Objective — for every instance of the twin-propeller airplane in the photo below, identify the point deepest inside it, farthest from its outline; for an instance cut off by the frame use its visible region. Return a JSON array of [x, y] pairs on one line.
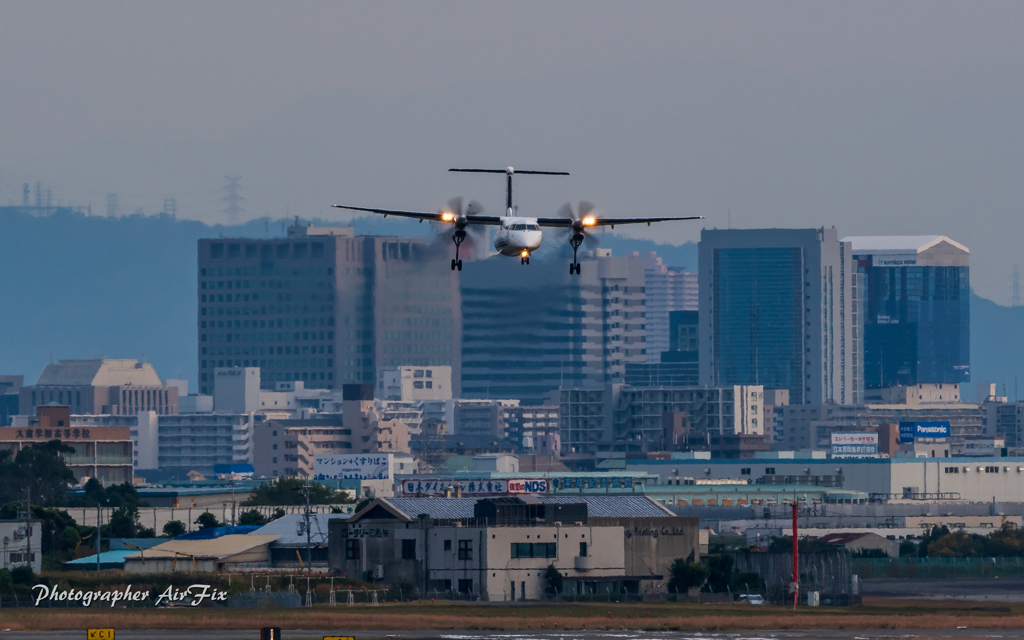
[[516, 235]]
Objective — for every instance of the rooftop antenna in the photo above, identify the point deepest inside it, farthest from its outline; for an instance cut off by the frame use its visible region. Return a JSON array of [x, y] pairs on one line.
[[234, 201]]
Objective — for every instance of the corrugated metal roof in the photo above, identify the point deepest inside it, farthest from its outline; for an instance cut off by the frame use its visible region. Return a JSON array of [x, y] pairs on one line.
[[216, 548], [597, 506], [287, 528], [615, 506]]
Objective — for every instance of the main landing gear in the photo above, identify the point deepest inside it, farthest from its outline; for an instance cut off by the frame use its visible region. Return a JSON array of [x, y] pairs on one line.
[[575, 241], [524, 259], [457, 238]]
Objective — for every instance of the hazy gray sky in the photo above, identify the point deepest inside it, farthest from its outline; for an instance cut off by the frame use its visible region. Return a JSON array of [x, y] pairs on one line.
[[875, 117]]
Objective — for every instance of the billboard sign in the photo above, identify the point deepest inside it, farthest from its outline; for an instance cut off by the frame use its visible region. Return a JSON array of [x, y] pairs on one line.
[[469, 487], [978, 448], [474, 486], [539, 485], [910, 431], [895, 260], [855, 445], [352, 466]]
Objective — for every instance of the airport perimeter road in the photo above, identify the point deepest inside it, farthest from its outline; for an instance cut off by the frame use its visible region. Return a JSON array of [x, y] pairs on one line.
[[981, 590], [903, 634]]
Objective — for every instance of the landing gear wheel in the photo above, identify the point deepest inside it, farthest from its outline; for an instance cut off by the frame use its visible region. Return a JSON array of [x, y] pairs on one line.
[[575, 241], [457, 238]]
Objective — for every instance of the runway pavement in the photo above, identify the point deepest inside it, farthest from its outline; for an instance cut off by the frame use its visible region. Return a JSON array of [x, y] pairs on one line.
[[903, 634]]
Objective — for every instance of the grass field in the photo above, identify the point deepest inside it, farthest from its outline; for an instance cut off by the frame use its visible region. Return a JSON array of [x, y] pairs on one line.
[[874, 614]]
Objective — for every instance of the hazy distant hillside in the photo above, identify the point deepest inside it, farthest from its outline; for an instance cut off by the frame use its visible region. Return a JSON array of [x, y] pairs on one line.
[[997, 348], [77, 287]]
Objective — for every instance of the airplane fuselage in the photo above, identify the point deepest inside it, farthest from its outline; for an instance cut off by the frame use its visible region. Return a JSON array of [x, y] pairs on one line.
[[518, 235]]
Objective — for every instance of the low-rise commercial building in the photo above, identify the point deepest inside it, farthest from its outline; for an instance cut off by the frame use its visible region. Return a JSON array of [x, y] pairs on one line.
[[499, 548], [881, 479], [408, 384], [225, 553], [618, 420], [22, 544], [104, 453]]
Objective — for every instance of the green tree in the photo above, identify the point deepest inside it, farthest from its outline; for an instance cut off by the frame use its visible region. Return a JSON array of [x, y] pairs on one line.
[[288, 491], [37, 471], [957, 545], [553, 581], [685, 575], [207, 520], [70, 538], [125, 523], [116, 495], [252, 518], [174, 528], [930, 537]]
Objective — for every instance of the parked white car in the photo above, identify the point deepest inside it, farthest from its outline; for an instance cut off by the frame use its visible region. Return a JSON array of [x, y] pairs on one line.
[[751, 598]]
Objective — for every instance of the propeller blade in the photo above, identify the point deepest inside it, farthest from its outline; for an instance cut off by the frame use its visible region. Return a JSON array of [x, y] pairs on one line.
[[455, 205], [474, 208], [565, 211], [585, 208]]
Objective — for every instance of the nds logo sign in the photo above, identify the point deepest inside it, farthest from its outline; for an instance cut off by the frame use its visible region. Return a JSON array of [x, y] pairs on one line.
[[527, 486]]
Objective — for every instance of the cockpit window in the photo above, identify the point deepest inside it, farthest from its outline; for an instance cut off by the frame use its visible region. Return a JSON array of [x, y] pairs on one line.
[[532, 227], [518, 227]]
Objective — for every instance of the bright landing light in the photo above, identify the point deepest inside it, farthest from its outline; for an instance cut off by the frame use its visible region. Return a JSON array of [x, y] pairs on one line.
[[447, 216], [589, 221], [524, 253]]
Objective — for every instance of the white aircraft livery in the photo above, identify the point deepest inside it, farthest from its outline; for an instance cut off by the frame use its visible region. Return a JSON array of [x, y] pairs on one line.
[[516, 235]]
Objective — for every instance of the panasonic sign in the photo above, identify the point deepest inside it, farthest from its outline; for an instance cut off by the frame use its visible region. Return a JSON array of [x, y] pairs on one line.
[[910, 431]]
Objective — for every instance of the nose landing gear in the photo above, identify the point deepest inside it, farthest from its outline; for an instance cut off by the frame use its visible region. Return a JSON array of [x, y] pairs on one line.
[[575, 241], [457, 238]]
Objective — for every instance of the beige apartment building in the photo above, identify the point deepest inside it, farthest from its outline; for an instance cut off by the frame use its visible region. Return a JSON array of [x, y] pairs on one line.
[[288, 448]]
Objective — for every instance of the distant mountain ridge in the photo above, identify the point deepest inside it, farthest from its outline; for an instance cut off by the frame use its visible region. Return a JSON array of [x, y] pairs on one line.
[[77, 286]]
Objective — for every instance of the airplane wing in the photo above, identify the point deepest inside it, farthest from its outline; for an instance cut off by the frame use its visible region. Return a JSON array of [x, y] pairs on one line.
[[422, 215], [595, 221]]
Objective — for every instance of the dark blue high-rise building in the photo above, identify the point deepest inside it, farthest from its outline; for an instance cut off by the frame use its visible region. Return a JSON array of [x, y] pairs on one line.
[[917, 316]]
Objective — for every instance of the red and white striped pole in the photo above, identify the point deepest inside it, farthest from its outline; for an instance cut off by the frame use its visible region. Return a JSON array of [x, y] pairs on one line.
[[796, 555]]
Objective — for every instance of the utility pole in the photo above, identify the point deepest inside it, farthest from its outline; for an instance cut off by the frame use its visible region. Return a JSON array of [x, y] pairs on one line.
[[309, 553], [28, 523], [99, 515], [796, 556]]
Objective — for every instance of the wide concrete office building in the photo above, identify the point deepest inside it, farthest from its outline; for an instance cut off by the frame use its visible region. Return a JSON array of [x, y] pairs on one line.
[[917, 312], [101, 386], [497, 549], [529, 330], [325, 307], [781, 308]]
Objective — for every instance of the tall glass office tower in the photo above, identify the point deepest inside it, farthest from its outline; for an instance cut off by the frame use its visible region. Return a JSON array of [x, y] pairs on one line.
[[780, 308], [916, 309]]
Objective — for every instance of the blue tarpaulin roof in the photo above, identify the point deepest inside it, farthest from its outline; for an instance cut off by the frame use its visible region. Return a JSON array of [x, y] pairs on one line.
[[108, 560], [216, 532]]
